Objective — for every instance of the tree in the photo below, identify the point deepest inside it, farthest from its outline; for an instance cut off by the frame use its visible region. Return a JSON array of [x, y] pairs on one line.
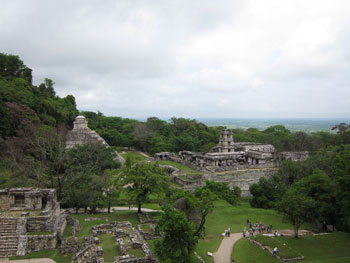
[[296, 207], [144, 179], [111, 188], [179, 240], [85, 177], [183, 224], [223, 191]]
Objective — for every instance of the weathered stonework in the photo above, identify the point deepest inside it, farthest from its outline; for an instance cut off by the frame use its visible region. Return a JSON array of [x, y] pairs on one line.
[[238, 164], [127, 237], [82, 134], [25, 210]]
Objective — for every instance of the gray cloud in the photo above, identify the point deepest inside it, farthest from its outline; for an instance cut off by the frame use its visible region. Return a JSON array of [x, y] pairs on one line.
[[202, 58]]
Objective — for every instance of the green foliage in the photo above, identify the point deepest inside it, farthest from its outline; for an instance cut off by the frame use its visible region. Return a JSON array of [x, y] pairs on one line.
[[179, 240], [297, 207], [88, 182], [144, 179], [184, 224], [223, 191]]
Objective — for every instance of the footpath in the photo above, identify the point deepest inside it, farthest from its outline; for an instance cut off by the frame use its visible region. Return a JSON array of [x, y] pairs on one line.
[[223, 255]]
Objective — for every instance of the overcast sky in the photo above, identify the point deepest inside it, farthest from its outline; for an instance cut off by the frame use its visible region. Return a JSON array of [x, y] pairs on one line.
[[183, 58]]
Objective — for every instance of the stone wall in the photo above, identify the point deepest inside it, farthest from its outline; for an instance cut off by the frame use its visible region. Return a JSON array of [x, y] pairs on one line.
[[241, 178], [43, 223], [294, 156], [89, 254], [40, 242]]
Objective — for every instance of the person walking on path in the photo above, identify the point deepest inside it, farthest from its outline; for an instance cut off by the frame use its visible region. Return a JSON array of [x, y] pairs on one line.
[[274, 252]]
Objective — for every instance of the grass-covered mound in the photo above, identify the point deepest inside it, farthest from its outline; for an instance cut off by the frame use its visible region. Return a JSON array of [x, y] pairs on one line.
[[284, 251]]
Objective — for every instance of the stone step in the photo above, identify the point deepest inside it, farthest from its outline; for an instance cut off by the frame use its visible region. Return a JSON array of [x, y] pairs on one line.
[[8, 247], [8, 254]]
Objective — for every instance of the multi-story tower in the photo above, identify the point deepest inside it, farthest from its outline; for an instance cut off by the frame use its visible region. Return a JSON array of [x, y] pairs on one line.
[[226, 141]]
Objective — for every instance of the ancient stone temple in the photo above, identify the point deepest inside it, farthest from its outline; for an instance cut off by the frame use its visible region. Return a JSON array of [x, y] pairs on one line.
[[28, 210], [239, 164], [225, 142], [82, 134]]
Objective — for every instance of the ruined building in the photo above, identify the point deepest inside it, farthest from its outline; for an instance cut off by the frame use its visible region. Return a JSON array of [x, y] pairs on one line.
[[82, 134], [239, 164], [28, 210]]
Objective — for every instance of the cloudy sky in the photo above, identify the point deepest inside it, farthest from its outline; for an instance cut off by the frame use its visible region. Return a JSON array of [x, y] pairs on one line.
[[187, 58]]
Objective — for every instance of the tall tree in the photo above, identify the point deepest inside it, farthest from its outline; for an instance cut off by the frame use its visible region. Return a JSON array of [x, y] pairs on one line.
[[144, 179]]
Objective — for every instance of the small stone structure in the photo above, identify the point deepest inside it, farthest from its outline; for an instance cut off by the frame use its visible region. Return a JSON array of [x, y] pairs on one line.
[[127, 238], [82, 134], [24, 210]]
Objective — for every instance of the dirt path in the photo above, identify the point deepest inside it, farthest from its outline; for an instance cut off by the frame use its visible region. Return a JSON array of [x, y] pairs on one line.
[[223, 255]]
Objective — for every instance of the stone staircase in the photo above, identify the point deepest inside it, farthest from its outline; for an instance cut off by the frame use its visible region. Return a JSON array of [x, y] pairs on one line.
[[8, 237]]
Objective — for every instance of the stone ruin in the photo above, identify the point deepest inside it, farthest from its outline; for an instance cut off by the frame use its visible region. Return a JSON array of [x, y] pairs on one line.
[[127, 237], [227, 155], [238, 164], [82, 134], [26, 210]]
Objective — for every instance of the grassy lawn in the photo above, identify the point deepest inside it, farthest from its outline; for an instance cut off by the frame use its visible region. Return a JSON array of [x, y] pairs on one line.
[[134, 155], [246, 252], [153, 206], [137, 252], [189, 171], [331, 248], [104, 218], [109, 246], [284, 250], [225, 216], [68, 231], [48, 253]]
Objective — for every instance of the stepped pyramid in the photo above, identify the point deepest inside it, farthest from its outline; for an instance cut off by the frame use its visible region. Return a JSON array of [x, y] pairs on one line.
[[82, 134]]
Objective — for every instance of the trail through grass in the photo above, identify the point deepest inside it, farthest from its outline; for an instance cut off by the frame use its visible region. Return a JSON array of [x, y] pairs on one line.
[[225, 216]]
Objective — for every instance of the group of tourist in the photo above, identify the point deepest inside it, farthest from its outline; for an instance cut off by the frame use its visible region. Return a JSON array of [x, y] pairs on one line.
[[227, 232], [259, 227]]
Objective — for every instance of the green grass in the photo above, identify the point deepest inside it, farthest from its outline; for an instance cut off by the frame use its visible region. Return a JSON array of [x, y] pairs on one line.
[[109, 246], [43, 233], [225, 216], [189, 171], [48, 253], [137, 252], [151, 244], [146, 228], [331, 248], [246, 252], [153, 206], [134, 155], [68, 231], [283, 251], [114, 216]]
